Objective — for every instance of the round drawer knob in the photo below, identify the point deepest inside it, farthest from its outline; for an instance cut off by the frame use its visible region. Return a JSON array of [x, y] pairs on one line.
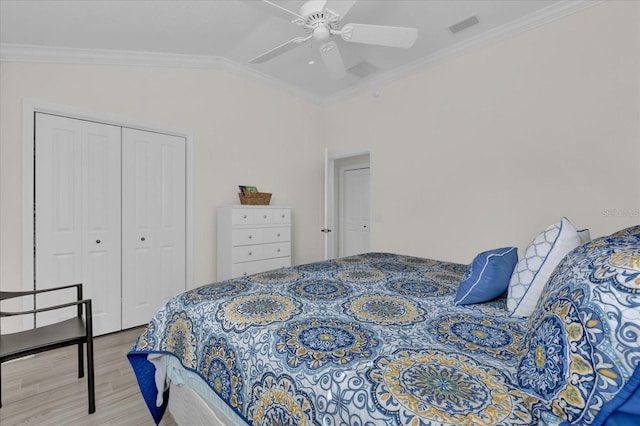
[[250, 236], [143, 239], [244, 216], [98, 241], [265, 216], [278, 250], [278, 235], [250, 253], [283, 216]]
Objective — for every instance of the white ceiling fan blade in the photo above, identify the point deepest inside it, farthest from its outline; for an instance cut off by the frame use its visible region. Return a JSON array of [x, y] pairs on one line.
[[332, 60], [284, 12], [340, 7], [311, 7], [284, 47], [379, 35]]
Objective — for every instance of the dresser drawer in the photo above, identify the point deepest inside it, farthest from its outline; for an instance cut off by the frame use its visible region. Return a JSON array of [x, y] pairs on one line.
[[260, 251], [281, 216], [241, 217], [248, 253], [243, 237], [276, 235], [263, 216], [276, 250], [271, 216], [249, 268]]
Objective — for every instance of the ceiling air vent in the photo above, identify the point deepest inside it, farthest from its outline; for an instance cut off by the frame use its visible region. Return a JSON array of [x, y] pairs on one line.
[[363, 69], [464, 24]]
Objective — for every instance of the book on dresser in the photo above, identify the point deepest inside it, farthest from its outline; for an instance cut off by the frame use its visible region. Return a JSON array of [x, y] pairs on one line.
[[252, 239]]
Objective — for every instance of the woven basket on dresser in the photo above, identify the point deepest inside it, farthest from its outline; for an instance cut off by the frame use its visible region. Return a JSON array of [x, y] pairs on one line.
[[255, 198]]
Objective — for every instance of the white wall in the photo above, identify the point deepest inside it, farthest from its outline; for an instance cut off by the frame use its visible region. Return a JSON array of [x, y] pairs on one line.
[[489, 148], [244, 133], [481, 151]]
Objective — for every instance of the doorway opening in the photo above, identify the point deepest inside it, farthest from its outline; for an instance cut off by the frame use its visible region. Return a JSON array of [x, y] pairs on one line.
[[347, 204]]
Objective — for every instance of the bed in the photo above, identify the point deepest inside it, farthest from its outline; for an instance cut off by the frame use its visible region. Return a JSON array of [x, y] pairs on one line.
[[384, 339]]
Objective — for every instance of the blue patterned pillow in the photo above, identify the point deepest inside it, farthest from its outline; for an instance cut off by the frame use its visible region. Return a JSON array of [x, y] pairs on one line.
[[582, 350], [487, 277], [630, 231]]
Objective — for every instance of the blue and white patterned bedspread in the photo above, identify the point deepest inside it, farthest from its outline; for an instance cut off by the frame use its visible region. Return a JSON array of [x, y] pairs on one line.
[[372, 339]]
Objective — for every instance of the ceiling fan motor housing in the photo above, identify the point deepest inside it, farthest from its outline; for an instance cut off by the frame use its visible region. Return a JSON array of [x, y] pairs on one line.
[[318, 22]]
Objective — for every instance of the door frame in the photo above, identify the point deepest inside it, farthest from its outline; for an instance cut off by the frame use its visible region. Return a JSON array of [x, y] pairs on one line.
[[29, 108], [332, 196]]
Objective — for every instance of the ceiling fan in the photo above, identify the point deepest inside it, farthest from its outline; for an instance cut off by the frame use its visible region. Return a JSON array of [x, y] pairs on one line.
[[321, 19]]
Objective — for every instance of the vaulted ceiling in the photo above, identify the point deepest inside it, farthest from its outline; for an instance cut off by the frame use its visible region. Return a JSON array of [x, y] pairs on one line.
[[217, 33]]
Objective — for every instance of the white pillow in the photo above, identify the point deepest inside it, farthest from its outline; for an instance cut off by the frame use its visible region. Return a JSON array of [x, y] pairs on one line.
[[584, 235], [540, 258]]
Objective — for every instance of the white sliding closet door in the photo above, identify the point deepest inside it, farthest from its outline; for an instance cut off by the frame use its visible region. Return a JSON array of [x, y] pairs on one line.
[[77, 215], [153, 222]]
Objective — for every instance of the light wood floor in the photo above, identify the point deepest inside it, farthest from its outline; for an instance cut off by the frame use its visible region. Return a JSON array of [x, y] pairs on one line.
[[45, 389]]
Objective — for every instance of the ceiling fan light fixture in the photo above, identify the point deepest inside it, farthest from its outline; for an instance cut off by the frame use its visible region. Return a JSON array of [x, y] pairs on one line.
[[321, 33]]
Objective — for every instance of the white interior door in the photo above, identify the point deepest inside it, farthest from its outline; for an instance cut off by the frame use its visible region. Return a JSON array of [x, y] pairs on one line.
[[58, 209], [153, 222], [77, 215], [355, 211], [101, 225]]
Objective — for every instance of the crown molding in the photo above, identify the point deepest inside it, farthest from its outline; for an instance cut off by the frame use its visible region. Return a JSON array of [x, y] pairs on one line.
[[32, 53], [71, 55]]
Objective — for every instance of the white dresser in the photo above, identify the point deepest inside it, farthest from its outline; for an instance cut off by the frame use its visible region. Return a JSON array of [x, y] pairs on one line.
[[252, 239]]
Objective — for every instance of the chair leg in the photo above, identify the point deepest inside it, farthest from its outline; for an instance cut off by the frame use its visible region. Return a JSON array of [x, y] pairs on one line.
[[0, 385], [90, 379], [80, 361]]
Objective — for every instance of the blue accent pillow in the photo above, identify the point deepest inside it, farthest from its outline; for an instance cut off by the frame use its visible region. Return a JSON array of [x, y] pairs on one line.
[[487, 277]]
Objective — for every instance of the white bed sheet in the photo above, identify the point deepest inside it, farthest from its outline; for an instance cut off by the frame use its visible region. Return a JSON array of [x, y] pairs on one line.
[[192, 402]]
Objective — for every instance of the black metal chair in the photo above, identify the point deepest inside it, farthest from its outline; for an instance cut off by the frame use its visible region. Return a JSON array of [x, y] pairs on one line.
[[77, 330]]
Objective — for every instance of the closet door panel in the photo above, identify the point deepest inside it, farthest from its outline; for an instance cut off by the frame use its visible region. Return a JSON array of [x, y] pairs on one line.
[[58, 211], [102, 223], [153, 213], [139, 269], [77, 217], [172, 227]]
